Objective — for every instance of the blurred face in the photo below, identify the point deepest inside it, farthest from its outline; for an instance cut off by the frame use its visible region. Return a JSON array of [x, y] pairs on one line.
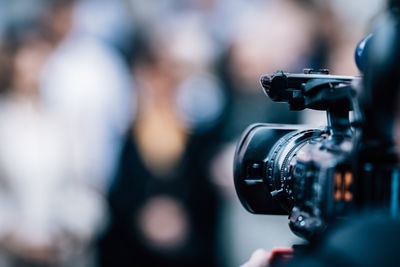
[[60, 21], [28, 63]]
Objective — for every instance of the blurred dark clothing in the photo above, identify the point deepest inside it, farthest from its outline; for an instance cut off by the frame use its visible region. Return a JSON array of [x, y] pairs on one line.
[[189, 183], [367, 240]]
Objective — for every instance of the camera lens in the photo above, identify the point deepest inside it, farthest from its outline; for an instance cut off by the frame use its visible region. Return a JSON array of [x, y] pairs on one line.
[[262, 166], [279, 165]]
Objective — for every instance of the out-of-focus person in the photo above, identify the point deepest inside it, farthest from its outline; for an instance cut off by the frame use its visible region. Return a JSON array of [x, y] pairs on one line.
[[163, 204], [87, 83], [49, 215]]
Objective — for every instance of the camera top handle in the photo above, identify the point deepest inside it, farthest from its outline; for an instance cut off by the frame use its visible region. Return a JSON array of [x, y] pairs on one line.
[[314, 90]]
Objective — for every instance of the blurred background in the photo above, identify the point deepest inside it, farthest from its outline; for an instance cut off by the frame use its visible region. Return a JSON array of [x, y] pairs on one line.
[[118, 122]]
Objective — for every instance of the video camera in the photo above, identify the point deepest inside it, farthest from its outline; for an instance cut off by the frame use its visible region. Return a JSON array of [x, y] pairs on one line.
[[317, 175]]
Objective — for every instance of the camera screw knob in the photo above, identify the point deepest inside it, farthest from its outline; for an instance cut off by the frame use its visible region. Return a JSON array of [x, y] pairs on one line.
[[308, 71], [311, 71]]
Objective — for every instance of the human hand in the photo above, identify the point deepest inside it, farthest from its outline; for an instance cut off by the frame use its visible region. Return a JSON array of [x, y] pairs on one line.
[[259, 258]]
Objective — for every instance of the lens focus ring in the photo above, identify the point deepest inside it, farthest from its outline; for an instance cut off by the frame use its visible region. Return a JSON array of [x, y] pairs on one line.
[[278, 178]]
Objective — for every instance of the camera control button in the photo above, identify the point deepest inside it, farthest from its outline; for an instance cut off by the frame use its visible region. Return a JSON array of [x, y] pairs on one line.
[[276, 193]]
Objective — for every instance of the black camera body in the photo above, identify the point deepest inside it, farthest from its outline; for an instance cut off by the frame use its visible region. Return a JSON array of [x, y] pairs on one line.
[[321, 174], [290, 169]]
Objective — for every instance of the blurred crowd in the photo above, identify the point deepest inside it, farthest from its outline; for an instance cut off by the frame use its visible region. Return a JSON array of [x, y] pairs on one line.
[[118, 121]]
